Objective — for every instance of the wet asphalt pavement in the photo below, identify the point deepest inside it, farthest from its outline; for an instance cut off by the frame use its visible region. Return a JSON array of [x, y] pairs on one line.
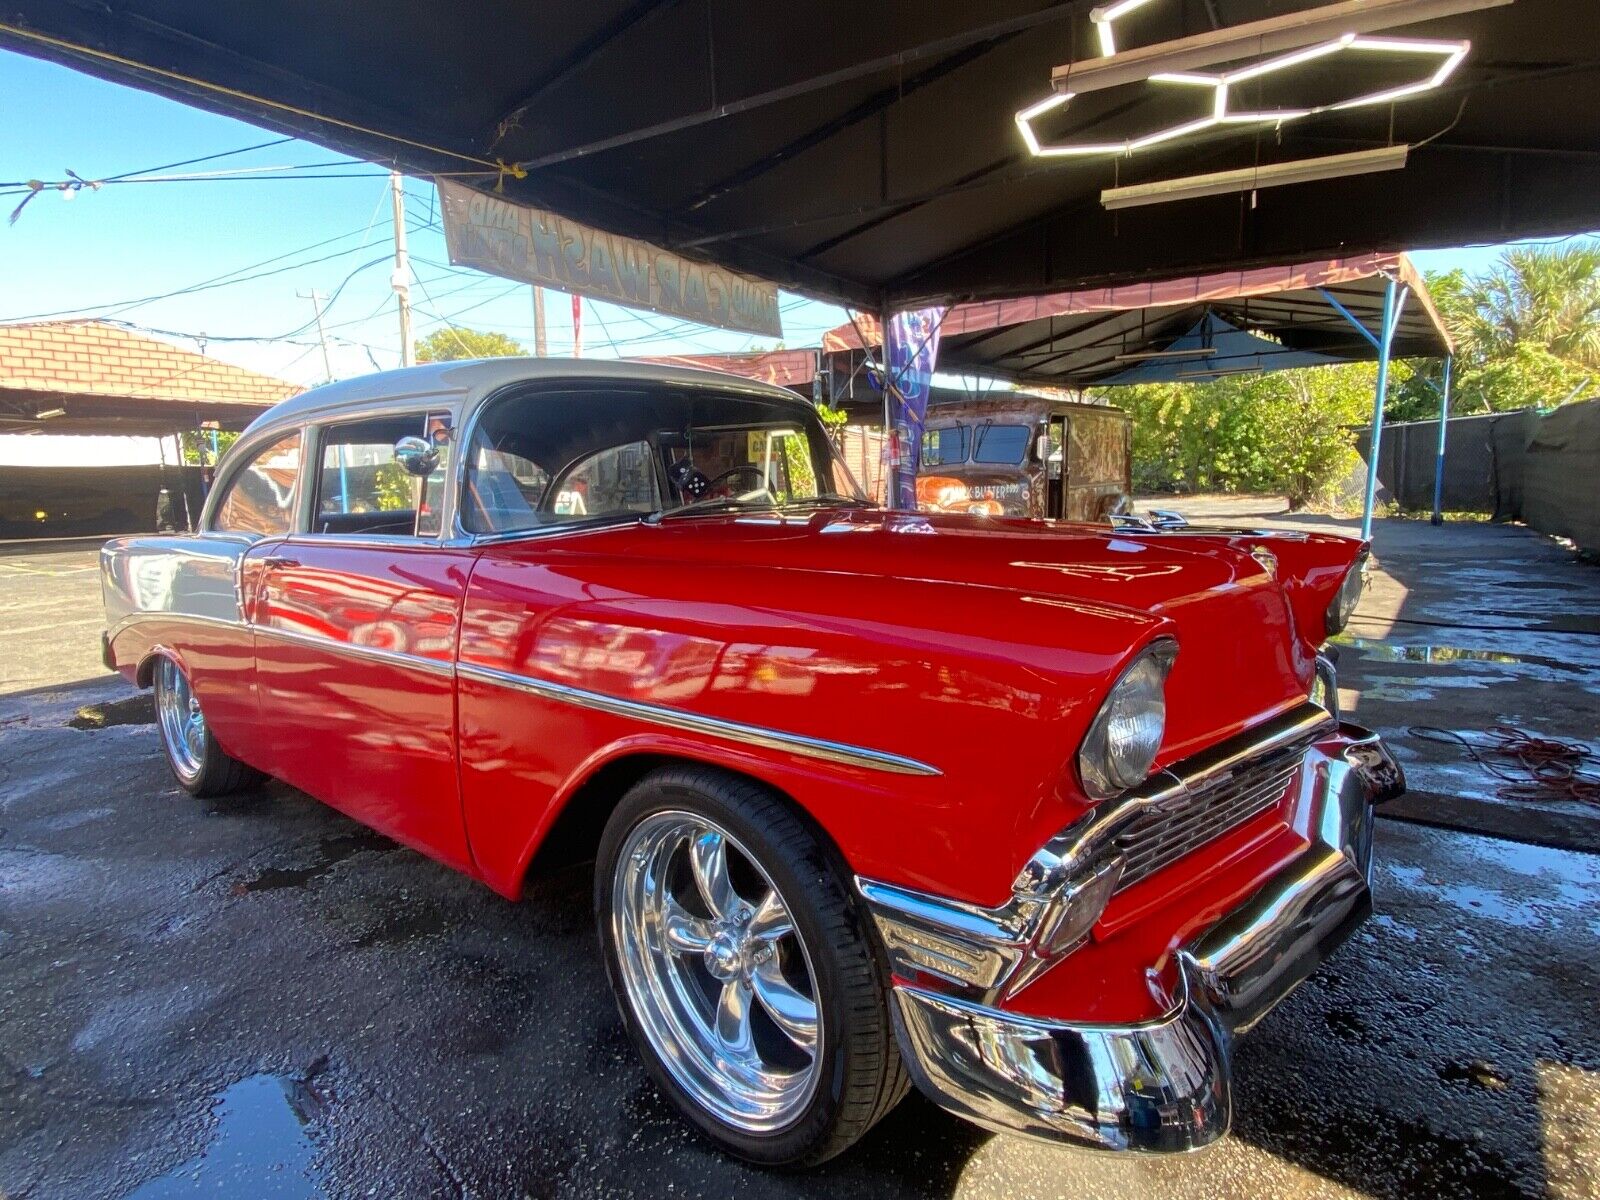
[[257, 997]]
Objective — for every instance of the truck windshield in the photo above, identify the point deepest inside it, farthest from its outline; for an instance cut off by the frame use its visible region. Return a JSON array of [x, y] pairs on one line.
[[946, 444], [1001, 444], [550, 457]]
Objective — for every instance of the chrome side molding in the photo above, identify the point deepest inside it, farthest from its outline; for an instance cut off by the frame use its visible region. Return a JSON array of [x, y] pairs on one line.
[[677, 718]]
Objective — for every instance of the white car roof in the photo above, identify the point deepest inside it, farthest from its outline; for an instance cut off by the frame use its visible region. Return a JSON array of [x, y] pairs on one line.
[[477, 378]]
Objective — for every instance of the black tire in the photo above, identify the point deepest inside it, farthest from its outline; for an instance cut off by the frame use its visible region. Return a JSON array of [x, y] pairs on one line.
[[862, 1077], [216, 772]]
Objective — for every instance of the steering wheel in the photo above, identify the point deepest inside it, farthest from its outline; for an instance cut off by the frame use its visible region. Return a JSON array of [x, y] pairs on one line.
[[732, 473]]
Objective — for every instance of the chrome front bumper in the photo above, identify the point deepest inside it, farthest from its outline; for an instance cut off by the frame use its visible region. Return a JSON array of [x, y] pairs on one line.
[[1164, 1085]]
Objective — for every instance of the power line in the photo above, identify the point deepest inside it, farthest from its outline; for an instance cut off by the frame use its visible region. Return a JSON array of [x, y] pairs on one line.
[[172, 166], [224, 280]]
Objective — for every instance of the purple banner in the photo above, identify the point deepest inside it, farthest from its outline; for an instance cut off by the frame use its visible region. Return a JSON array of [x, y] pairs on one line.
[[911, 347]]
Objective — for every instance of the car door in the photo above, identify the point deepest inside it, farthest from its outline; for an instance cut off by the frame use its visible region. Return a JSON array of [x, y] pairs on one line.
[[356, 620]]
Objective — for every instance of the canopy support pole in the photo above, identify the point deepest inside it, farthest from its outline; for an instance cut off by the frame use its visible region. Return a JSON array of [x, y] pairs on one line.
[[1394, 299], [1444, 426]]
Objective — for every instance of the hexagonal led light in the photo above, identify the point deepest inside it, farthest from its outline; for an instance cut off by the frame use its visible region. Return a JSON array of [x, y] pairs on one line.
[[1449, 55]]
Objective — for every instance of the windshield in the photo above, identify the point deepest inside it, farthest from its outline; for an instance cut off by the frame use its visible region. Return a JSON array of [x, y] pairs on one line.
[[944, 444], [1001, 444], [551, 457]]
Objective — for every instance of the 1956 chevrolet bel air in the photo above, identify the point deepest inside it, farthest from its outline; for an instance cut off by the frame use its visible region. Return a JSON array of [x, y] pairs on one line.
[[1037, 815]]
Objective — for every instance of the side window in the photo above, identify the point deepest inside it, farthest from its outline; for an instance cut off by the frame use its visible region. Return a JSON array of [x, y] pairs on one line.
[[361, 489], [261, 498], [614, 480]]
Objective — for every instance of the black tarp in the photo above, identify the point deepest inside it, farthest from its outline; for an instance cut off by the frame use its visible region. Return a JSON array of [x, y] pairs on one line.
[[867, 152], [45, 502]]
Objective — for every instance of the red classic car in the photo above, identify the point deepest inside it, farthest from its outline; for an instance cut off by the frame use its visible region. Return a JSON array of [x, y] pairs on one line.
[[1036, 815]]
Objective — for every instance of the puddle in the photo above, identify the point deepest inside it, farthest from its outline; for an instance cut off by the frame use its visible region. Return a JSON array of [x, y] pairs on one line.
[[1384, 651], [135, 710], [330, 853], [261, 1148], [1509, 883]]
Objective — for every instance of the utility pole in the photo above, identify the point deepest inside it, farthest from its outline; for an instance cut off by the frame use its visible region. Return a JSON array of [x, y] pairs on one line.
[[541, 347], [316, 306], [400, 281]]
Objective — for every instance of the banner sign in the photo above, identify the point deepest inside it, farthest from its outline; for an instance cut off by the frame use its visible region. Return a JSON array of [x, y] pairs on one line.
[[502, 237], [911, 348]]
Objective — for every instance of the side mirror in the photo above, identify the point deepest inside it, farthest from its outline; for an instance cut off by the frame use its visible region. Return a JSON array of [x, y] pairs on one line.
[[1041, 447], [416, 456]]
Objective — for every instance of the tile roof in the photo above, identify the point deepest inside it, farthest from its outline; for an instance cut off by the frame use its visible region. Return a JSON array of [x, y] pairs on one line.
[[92, 358]]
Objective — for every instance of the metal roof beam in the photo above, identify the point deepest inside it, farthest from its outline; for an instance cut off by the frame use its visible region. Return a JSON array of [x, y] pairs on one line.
[[870, 107], [581, 56], [790, 91]]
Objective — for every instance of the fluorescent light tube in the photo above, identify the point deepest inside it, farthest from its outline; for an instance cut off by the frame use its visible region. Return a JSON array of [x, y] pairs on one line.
[[1248, 179]]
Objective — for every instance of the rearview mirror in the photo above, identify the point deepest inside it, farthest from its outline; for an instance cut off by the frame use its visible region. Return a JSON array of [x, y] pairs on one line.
[[416, 456]]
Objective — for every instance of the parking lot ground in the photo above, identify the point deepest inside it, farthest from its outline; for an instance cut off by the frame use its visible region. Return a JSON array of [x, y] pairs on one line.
[[1464, 627], [256, 997]]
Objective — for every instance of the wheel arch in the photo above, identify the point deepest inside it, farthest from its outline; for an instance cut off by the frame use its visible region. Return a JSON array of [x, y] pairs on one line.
[[144, 674], [571, 834]]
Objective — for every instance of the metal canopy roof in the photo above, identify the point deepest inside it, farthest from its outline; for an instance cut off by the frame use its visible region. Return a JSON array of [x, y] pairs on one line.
[[866, 152], [1093, 337]]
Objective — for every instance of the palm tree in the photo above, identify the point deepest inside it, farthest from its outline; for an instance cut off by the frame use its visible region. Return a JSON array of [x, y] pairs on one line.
[[1547, 297]]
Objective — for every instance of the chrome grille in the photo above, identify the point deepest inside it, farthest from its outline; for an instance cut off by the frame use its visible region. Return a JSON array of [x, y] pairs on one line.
[[1159, 839]]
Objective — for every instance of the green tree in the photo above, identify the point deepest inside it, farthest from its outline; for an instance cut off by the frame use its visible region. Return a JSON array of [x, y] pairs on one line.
[[452, 343], [1544, 296], [1283, 432], [197, 449], [1527, 332]]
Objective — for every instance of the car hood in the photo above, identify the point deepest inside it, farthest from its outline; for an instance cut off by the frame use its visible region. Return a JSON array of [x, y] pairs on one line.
[[1086, 562], [1245, 653]]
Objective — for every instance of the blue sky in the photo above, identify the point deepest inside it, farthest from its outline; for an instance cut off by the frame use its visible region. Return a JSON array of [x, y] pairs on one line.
[[130, 241]]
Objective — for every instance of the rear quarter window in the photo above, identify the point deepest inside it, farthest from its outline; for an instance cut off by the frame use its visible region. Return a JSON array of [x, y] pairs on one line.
[[260, 497]]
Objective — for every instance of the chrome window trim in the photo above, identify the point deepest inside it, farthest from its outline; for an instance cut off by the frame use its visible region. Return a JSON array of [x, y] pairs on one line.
[[676, 718], [472, 414], [317, 431]]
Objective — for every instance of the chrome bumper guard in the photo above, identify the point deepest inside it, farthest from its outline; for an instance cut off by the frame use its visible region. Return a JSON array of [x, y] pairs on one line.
[[1164, 1084]]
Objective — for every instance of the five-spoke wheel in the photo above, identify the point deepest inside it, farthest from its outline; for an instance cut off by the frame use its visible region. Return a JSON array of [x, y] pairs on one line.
[[201, 766], [740, 969], [719, 980]]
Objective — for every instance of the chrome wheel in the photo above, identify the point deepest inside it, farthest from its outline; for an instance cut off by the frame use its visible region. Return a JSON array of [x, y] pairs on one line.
[[715, 971], [183, 725]]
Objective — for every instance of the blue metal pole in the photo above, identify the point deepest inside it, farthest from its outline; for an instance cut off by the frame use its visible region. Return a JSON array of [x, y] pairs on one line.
[[1385, 341], [1444, 426]]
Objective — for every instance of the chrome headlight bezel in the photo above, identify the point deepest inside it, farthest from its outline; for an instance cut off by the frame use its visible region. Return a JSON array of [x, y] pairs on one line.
[[1109, 765], [1343, 605]]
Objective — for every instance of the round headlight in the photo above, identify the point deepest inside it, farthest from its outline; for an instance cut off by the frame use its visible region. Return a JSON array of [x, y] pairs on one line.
[[1349, 595], [1122, 743]]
